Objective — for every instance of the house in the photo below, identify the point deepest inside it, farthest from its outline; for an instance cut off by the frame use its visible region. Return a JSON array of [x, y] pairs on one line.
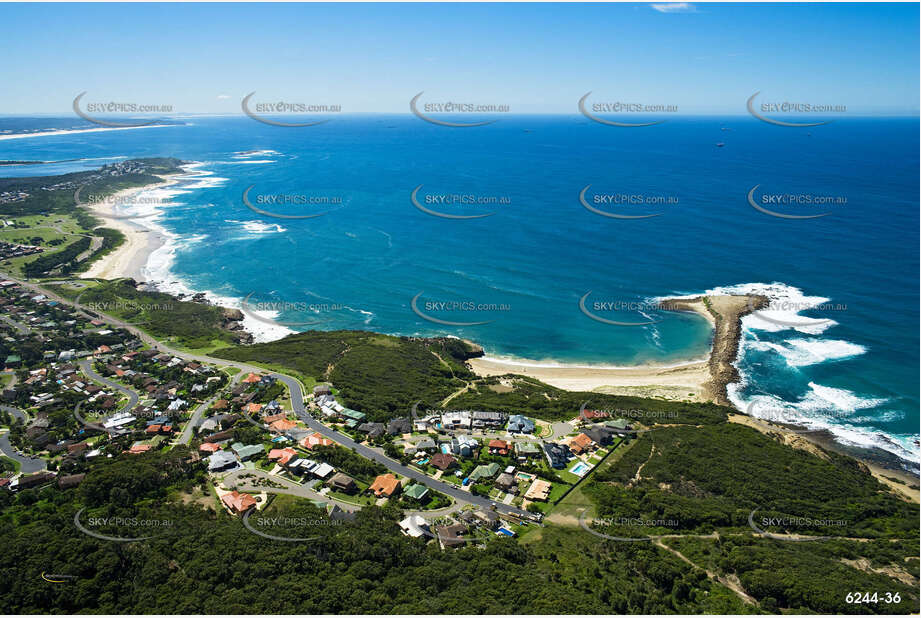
[[315, 439], [283, 456], [600, 434], [558, 455], [353, 415], [443, 461], [343, 483], [70, 480], [451, 536], [27, 481], [416, 492], [486, 519], [507, 483], [499, 447], [268, 419], [245, 452], [456, 419], [526, 450], [581, 444], [520, 424], [209, 447], [374, 430], [321, 389], [137, 449], [539, 490], [399, 426], [487, 419], [221, 461], [484, 471], [238, 503], [283, 425], [590, 415], [385, 486], [253, 408], [426, 444], [251, 378], [620, 426], [464, 446], [414, 526]]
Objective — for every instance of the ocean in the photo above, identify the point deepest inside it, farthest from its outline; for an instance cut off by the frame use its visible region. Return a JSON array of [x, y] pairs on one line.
[[545, 272]]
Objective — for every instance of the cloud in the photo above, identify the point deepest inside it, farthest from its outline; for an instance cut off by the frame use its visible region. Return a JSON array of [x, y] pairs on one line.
[[675, 7], [223, 96]]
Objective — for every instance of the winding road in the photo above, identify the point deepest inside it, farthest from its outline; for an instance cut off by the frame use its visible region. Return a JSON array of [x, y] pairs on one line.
[[27, 465], [297, 401]]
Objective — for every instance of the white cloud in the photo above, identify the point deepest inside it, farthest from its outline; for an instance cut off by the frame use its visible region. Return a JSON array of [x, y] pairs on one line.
[[223, 96], [675, 7]]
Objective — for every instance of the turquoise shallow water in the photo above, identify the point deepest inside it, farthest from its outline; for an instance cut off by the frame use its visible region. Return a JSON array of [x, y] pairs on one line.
[[839, 349]]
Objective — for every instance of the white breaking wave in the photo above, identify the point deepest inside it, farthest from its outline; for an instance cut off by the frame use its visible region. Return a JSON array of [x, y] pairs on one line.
[[803, 352], [258, 227], [783, 313]]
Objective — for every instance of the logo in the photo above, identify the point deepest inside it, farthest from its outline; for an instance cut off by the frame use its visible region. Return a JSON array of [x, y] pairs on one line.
[[284, 107], [462, 306], [114, 107], [787, 107], [464, 199], [457, 108], [129, 522], [622, 107], [285, 306], [615, 199], [299, 200], [109, 200], [802, 199], [608, 306]]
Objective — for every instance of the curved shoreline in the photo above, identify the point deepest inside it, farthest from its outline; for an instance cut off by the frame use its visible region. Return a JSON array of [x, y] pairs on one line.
[[696, 380]]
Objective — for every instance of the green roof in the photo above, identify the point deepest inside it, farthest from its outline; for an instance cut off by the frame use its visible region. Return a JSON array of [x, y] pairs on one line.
[[618, 423], [244, 451], [351, 423], [416, 491], [484, 471], [527, 447], [12, 358], [353, 414]]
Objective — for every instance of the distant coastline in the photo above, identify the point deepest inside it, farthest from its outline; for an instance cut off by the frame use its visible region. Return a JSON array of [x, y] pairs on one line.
[[73, 131]]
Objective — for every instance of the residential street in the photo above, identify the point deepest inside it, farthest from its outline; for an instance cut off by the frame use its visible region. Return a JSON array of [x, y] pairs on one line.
[[297, 400]]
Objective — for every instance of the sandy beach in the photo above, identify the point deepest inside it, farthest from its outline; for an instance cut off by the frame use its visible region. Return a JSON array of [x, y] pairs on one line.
[[129, 259], [72, 131], [700, 380]]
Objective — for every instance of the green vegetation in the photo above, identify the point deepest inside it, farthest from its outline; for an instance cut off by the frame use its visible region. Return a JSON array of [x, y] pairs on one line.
[[379, 375], [350, 463], [207, 562], [811, 577], [711, 477], [186, 324], [61, 262], [542, 401]]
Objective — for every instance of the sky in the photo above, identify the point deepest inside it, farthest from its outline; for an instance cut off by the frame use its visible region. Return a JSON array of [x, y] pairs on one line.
[[535, 58]]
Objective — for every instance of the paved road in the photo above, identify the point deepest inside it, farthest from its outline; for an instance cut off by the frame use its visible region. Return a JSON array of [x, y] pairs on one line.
[[16, 412], [88, 370], [23, 330], [297, 400], [195, 419], [27, 465], [290, 487]]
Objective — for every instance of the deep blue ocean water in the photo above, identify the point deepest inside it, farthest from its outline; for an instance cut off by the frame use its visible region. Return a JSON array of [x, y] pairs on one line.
[[851, 363]]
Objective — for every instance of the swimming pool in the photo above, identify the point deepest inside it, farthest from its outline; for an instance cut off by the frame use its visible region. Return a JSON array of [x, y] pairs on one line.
[[445, 449], [580, 468]]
